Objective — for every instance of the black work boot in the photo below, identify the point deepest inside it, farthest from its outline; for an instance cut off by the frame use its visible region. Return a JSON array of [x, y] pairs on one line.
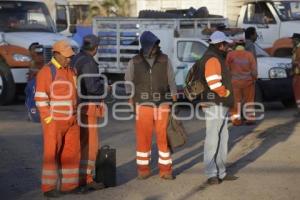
[[213, 181], [52, 194], [229, 178]]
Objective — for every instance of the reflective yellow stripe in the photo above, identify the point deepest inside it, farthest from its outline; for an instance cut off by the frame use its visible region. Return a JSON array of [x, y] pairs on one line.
[[87, 162], [143, 154], [49, 172], [41, 94], [47, 181], [61, 103], [142, 162], [63, 112], [164, 155], [69, 171], [213, 78], [215, 86], [70, 180], [42, 103], [164, 162]]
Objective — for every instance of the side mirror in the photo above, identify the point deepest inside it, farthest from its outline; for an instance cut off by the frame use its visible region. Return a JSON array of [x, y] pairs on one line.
[[73, 29]]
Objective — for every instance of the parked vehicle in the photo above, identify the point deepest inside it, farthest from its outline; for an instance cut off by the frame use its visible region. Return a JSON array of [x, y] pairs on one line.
[[274, 20], [23, 22], [184, 42]]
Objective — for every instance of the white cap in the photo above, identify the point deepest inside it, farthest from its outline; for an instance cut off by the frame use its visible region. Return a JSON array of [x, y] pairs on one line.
[[218, 37]]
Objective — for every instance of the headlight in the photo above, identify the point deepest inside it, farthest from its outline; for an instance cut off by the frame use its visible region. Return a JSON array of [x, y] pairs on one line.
[[277, 72], [21, 58]]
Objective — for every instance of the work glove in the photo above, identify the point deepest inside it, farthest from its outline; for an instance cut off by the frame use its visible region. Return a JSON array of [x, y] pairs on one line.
[[48, 120], [227, 93]]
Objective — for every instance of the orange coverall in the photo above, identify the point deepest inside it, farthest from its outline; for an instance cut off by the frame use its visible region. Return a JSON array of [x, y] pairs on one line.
[[296, 79], [243, 69], [147, 119], [57, 102]]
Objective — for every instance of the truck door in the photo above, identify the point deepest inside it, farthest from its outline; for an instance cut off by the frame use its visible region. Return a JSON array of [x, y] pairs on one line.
[[263, 17], [187, 52]]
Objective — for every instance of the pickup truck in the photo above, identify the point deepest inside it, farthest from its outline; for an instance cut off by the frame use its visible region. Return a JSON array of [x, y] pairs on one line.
[[275, 20], [184, 42]]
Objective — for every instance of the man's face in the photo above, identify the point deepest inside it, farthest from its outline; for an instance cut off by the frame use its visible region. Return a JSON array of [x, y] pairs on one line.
[[254, 37], [64, 61], [224, 47], [152, 53]]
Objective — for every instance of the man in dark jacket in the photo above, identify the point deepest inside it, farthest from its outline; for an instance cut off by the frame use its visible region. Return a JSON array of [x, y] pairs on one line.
[[91, 89], [152, 75]]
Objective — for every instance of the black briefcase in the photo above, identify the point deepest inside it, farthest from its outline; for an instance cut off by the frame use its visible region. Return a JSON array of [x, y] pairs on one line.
[[106, 167]]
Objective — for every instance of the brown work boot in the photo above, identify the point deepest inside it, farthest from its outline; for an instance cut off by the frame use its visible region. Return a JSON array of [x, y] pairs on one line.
[[52, 194], [250, 122], [143, 176], [169, 177], [213, 181]]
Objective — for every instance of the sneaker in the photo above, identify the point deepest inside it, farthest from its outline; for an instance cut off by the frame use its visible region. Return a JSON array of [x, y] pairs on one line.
[[213, 181], [168, 177], [52, 194], [229, 178]]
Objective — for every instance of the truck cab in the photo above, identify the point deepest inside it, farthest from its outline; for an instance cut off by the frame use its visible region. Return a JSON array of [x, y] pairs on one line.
[[272, 19], [22, 23]]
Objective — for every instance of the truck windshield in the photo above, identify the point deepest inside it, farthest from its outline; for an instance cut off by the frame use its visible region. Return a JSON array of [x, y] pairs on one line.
[[288, 10], [20, 16]]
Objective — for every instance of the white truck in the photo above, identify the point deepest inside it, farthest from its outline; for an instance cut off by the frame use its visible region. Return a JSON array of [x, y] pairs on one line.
[[23, 22], [273, 19], [183, 41]]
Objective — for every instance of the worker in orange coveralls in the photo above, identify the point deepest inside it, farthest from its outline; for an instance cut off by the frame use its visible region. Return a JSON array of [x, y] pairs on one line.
[[296, 71], [242, 65], [56, 100]]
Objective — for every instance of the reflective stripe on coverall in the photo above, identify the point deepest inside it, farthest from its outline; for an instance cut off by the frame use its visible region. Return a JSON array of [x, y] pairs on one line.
[[243, 69], [58, 100]]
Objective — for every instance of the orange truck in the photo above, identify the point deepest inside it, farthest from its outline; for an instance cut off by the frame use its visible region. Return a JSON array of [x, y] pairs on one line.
[[22, 23]]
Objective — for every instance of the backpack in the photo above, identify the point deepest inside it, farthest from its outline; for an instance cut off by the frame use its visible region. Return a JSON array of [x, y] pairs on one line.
[[32, 111], [193, 84]]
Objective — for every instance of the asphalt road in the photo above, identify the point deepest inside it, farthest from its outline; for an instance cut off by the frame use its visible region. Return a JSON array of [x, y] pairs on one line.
[[251, 156]]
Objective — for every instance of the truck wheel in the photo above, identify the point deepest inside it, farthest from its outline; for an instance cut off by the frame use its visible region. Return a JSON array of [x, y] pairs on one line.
[[7, 85], [288, 103]]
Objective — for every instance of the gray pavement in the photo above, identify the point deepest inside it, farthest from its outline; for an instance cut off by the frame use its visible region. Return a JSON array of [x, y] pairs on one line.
[[264, 156]]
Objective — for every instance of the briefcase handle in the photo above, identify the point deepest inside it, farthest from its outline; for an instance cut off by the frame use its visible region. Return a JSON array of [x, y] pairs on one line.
[[105, 147]]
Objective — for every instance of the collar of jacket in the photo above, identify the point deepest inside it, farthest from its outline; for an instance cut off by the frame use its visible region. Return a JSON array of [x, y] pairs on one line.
[[55, 63]]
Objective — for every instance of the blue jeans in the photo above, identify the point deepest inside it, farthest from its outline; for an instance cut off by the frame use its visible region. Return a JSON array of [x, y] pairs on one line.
[[216, 141]]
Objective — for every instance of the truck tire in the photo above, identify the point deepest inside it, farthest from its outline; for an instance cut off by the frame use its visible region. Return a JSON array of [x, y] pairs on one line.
[[7, 85], [288, 103]]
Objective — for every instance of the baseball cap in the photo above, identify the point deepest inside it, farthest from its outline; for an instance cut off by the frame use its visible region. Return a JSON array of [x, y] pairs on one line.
[[218, 37], [296, 36], [90, 41], [64, 48]]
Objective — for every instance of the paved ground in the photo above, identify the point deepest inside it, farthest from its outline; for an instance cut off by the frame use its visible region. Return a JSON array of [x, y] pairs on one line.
[[265, 157]]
